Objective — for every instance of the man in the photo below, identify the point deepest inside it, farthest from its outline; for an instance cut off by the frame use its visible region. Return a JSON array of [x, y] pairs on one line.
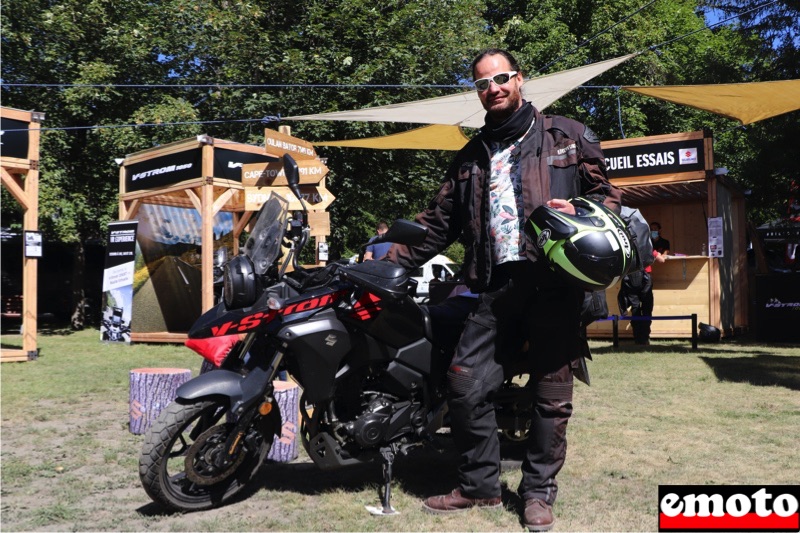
[[660, 244], [636, 290], [378, 251], [519, 161]]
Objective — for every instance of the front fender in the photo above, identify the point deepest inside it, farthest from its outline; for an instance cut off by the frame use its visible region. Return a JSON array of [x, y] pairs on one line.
[[240, 390], [214, 383]]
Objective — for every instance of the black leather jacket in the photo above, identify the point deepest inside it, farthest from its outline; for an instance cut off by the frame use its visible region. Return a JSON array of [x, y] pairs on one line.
[[561, 158]]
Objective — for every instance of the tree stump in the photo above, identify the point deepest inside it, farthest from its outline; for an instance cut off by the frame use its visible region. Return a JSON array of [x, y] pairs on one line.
[[151, 390], [284, 449], [207, 366]]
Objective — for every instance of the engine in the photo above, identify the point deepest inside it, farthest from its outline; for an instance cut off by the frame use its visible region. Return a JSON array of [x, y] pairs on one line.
[[370, 428]]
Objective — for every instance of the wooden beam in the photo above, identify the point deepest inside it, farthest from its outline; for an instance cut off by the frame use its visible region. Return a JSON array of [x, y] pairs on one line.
[[198, 204], [207, 229], [148, 193], [16, 187], [699, 175], [243, 220], [130, 209], [222, 200]]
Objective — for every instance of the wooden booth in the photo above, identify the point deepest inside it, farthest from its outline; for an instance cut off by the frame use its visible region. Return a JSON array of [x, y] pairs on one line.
[[178, 193], [20, 176], [671, 179]]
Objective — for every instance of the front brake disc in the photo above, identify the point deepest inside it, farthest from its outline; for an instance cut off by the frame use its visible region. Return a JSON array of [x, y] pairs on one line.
[[200, 463]]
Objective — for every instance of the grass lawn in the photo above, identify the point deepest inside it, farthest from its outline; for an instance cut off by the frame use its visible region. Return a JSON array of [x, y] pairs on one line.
[[728, 413]]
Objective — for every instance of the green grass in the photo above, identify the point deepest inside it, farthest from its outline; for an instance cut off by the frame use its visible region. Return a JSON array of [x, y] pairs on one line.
[[728, 413]]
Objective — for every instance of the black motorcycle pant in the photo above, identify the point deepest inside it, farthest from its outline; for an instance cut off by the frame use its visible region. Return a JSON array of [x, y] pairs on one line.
[[525, 301]]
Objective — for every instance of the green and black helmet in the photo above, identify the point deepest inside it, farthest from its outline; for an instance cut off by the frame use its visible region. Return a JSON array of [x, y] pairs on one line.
[[591, 248]]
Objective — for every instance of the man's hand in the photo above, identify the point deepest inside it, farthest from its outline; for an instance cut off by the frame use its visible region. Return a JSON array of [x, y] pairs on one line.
[[561, 205]]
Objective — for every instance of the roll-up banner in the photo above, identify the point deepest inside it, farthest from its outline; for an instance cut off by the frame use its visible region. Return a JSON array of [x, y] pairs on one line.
[[118, 282]]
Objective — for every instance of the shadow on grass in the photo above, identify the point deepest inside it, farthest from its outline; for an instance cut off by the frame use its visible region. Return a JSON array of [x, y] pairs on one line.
[[423, 472], [721, 348], [763, 369]]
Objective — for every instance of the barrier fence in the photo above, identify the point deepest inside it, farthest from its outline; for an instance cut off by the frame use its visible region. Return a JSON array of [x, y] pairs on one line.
[[617, 318]]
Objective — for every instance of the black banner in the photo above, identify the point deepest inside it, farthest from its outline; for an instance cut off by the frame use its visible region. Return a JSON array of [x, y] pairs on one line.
[[14, 143], [228, 163], [658, 158], [165, 170]]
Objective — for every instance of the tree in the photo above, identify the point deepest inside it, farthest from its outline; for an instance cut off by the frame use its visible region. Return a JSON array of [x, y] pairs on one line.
[[87, 46]]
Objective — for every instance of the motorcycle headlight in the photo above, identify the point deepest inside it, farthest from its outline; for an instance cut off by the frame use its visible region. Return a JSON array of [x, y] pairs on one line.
[[239, 289]]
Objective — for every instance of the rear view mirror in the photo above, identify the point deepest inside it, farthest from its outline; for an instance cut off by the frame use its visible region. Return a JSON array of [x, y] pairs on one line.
[[291, 171], [406, 232]]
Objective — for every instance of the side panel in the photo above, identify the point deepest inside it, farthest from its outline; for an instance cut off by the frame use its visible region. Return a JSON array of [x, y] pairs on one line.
[[318, 347]]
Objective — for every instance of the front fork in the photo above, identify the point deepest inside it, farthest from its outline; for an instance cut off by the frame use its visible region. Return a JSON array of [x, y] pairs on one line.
[[257, 385]]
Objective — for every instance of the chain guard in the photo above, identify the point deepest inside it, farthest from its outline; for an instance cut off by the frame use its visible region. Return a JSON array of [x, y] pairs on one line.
[[203, 453]]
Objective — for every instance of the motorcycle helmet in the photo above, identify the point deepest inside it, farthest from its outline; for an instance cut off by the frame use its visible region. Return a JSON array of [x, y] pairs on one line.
[[591, 249]]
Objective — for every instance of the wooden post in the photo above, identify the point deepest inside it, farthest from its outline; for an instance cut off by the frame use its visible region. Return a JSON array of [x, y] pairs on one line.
[[19, 173], [151, 390], [287, 394]]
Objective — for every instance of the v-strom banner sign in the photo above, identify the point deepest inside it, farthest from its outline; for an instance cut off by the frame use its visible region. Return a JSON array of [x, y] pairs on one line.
[[181, 166], [657, 158], [728, 508]]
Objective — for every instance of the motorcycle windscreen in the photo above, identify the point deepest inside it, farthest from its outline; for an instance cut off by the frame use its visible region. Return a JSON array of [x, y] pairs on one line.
[[264, 244]]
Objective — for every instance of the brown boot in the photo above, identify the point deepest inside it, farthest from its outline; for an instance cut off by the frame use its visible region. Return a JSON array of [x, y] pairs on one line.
[[538, 515], [455, 502]]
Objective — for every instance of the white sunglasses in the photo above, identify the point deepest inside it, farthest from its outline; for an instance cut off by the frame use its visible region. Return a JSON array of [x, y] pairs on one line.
[[499, 79]]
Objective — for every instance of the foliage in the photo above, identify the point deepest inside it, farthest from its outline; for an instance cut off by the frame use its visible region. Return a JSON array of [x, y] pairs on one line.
[[195, 64]]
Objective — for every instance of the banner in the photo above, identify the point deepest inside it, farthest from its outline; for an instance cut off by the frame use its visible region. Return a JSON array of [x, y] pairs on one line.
[[655, 158], [118, 282]]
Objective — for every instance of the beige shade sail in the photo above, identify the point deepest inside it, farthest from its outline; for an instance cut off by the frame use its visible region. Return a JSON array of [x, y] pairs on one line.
[[465, 109], [433, 137], [745, 102]]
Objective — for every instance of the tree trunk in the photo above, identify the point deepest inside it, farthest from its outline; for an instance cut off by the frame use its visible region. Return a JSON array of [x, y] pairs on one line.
[[78, 316]]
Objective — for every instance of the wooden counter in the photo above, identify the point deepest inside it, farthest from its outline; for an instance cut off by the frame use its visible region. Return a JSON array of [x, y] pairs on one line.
[[680, 287]]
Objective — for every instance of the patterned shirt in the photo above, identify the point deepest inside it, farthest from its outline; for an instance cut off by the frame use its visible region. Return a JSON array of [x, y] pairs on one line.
[[505, 202]]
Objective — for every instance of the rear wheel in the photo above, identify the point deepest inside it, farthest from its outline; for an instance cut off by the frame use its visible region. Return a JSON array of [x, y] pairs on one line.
[[179, 466]]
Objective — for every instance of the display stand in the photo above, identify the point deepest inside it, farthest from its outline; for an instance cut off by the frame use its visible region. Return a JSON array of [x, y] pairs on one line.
[[205, 174], [20, 176], [671, 179]]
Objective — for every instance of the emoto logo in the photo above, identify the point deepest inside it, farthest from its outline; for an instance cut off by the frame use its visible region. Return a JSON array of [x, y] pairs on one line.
[[544, 236], [728, 508]]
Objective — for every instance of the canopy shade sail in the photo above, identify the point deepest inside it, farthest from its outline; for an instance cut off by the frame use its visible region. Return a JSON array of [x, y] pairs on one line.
[[465, 109], [745, 102], [433, 137]]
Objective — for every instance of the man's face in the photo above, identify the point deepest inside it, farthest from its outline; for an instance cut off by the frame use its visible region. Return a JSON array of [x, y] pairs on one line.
[[499, 101]]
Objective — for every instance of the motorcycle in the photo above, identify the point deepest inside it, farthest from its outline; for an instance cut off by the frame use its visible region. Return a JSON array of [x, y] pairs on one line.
[[362, 350], [115, 329]]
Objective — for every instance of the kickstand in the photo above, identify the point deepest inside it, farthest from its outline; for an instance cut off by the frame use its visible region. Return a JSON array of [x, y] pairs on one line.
[[385, 493]]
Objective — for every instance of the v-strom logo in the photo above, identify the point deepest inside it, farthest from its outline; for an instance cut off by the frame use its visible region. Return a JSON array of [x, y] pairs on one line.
[[728, 508]]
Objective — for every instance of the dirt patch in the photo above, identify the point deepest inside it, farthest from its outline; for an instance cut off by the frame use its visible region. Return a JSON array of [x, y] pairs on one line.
[[75, 467]]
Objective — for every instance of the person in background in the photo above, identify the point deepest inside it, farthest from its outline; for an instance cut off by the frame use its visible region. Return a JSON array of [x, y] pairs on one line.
[[660, 244], [636, 290], [520, 160], [377, 251]]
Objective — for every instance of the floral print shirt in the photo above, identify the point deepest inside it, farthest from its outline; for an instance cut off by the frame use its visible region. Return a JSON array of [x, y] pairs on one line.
[[505, 202]]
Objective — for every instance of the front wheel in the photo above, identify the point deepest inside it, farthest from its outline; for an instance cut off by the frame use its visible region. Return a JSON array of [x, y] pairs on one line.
[[179, 467]]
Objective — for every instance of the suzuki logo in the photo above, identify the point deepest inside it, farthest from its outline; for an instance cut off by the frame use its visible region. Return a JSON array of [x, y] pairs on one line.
[[331, 339]]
